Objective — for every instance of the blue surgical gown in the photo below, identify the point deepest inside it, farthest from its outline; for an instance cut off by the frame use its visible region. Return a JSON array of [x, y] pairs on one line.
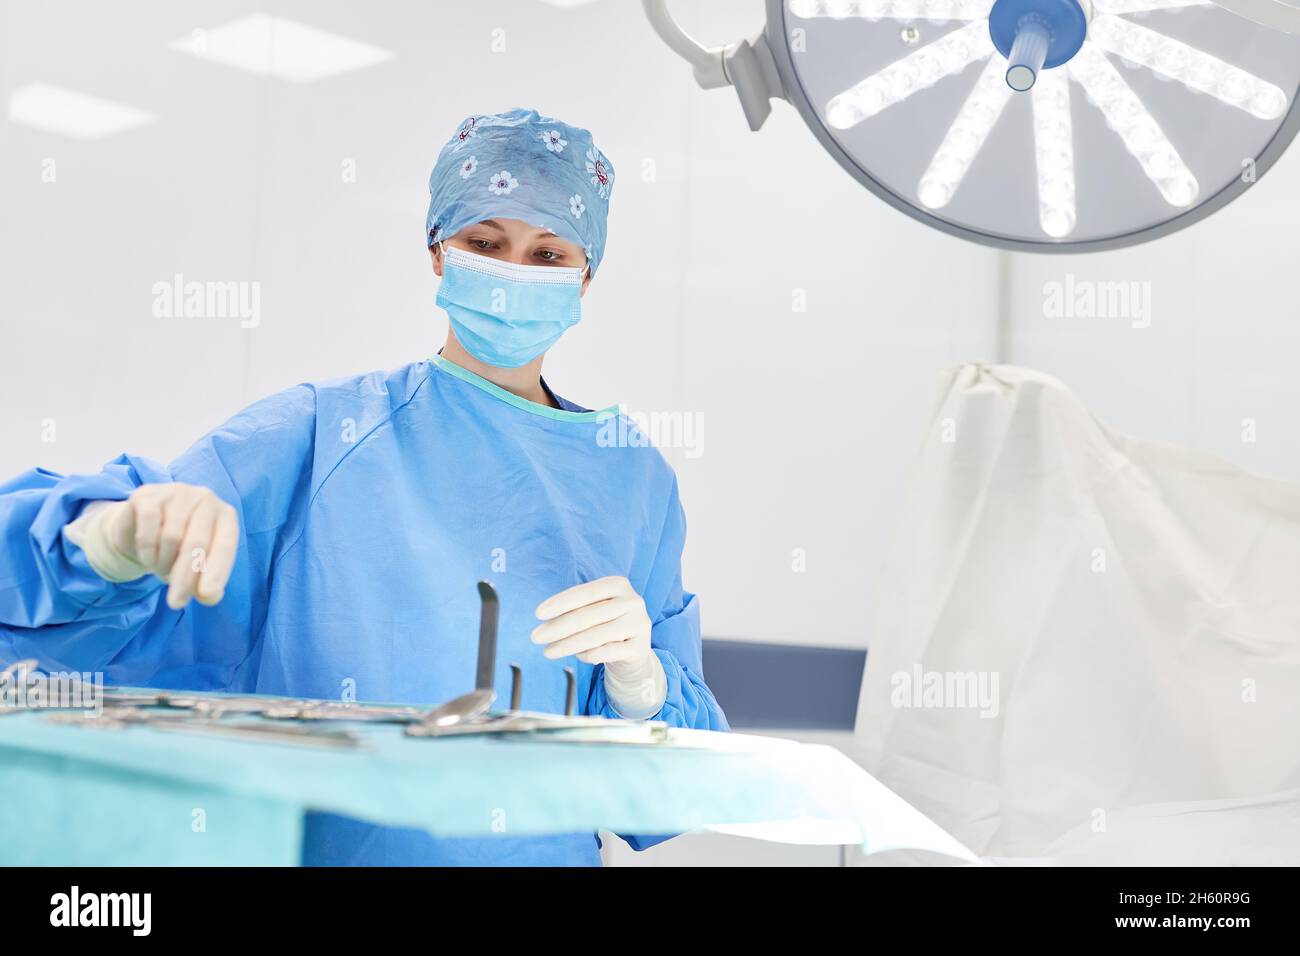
[[368, 508]]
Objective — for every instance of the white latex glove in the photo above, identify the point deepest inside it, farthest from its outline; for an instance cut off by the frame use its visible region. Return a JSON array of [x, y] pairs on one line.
[[183, 533], [605, 622]]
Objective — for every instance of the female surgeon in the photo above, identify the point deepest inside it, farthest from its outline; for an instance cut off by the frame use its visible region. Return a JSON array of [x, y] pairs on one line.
[[331, 535]]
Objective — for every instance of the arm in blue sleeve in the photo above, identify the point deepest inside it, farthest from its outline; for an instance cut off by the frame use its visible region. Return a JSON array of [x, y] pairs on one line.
[[674, 635], [44, 578], [55, 608], [675, 640]]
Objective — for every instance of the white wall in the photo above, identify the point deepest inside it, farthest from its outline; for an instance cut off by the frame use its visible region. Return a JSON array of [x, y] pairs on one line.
[[809, 418]]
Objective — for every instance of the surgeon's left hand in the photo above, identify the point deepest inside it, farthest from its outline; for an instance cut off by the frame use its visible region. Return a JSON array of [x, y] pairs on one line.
[[602, 621], [605, 622]]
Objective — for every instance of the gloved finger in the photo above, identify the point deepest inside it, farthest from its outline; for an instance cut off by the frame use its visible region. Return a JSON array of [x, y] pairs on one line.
[[119, 526], [611, 653], [192, 554], [147, 509], [614, 631], [581, 595], [589, 616], [221, 556], [176, 510]]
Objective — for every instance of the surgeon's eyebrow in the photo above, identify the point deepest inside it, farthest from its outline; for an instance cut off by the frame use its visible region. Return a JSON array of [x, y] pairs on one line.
[[493, 223]]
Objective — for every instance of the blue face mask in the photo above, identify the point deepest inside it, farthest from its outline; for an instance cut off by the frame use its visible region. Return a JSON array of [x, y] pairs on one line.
[[505, 314]]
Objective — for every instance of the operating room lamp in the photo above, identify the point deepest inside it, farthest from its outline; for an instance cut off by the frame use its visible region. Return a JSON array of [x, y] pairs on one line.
[[1039, 125]]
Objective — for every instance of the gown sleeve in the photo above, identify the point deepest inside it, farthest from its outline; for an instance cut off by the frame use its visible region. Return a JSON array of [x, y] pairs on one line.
[[675, 640], [56, 609], [674, 637]]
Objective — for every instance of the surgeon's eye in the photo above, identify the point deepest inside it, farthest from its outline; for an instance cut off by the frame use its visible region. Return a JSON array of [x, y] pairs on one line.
[[482, 244], [549, 255]]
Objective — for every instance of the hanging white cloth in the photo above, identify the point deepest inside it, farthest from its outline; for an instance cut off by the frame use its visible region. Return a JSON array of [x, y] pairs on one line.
[[1074, 622]]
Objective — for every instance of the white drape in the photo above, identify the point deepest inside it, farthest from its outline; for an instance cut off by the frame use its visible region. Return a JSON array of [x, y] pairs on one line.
[[1074, 622]]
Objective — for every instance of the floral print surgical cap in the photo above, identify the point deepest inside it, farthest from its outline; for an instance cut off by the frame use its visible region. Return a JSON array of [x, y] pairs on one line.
[[521, 165]]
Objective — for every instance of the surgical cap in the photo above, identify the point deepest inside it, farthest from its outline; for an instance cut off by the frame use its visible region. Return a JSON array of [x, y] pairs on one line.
[[521, 165]]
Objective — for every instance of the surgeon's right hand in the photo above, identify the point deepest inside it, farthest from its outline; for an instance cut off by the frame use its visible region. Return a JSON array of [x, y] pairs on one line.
[[183, 533]]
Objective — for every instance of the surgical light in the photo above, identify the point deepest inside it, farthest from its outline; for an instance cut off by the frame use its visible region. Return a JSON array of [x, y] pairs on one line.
[[1040, 125]]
